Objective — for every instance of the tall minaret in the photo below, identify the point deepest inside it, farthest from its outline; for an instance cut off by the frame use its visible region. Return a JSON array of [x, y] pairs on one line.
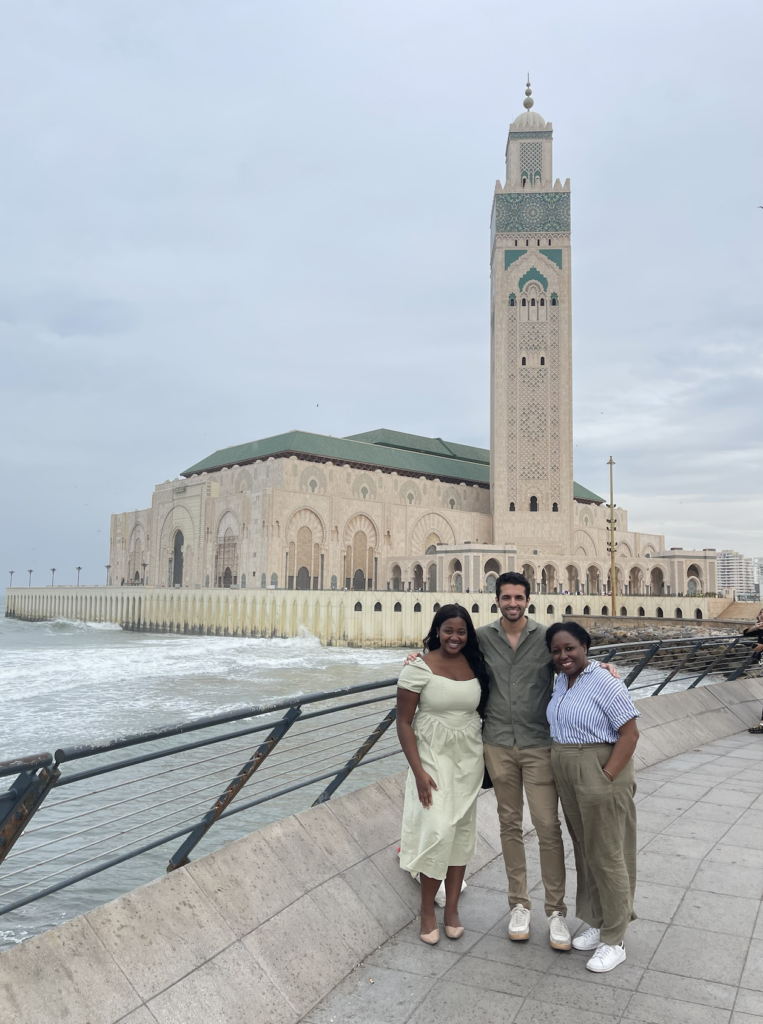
[[531, 346]]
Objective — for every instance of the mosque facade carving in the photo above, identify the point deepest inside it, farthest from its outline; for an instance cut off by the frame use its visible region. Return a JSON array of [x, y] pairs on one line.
[[391, 511]]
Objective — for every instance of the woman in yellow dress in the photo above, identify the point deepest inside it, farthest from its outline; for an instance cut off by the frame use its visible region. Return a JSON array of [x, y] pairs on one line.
[[440, 699]]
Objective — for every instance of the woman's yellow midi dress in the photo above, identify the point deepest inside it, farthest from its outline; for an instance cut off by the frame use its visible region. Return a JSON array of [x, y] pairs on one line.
[[449, 739]]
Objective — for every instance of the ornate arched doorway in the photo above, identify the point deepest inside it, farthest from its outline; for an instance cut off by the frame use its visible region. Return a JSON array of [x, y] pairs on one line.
[[227, 577], [303, 578]]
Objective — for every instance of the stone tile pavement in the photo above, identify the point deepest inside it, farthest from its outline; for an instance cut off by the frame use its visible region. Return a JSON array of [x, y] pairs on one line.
[[695, 955]]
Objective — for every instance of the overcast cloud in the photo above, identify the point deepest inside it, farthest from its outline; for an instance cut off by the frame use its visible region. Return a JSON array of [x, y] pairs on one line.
[[220, 221]]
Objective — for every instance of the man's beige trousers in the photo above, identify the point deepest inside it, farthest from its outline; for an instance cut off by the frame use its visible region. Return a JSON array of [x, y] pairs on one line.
[[510, 769]]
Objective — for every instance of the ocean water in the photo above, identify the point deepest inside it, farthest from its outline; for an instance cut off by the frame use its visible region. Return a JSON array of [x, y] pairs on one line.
[[64, 682]]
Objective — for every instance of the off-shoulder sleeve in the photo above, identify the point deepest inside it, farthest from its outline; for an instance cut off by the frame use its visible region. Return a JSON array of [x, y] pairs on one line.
[[414, 676]]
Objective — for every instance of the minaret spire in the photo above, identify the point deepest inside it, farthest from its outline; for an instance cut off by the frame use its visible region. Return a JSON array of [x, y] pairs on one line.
[[528, 101]]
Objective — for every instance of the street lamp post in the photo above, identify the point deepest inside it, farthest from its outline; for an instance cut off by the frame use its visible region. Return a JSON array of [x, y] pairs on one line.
[[145, 566], [107, 574], [612, 528], [52, 577], [79, 570], [30, 571], [11, 571]]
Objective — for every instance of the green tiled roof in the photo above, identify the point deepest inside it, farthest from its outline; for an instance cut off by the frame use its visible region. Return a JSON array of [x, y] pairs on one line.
[[409, 454], [413, 461]]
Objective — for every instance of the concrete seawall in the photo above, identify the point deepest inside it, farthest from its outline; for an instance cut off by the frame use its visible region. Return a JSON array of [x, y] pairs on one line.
[[264, 928], [368, 618]]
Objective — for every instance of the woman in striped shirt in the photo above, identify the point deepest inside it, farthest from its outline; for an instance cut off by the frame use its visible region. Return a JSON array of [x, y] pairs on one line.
[[594, 735]]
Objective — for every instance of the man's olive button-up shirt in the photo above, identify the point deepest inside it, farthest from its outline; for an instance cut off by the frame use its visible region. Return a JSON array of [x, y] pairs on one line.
[[521, 684]]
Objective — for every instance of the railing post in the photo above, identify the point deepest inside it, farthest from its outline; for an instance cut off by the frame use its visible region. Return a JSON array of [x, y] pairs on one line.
[[357, 757], [713, 663], [21, 802], [180, 858], [693, 650], [746, 662], [638, 669]]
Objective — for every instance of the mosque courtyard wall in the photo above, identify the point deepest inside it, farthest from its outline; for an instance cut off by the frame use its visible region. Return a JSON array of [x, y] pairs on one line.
[[338, 618]]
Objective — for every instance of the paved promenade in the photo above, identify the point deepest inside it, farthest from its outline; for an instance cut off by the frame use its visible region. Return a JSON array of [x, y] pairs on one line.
[[695, 956]]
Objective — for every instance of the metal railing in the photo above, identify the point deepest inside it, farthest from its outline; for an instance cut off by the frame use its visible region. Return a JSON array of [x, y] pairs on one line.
[[71, 814]]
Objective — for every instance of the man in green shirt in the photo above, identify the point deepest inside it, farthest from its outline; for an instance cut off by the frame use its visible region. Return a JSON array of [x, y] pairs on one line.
[[518, 753]]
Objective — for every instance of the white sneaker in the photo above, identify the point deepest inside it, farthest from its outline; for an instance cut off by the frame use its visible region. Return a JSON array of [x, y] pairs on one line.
[[558, 932], [519, 923], [589, 939], [606, 958]]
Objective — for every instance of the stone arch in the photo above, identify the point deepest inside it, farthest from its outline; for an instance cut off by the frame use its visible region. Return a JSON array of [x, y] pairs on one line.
[[492, 565], [549, 578], [430, 523], [418, 576], [306, 516], [636, 580], [582, 539], [360, 548], [528, 571], [624, 549], [573, 579], [396, 577], [657, 580], [243, 482], [136, 552], [177, 518]]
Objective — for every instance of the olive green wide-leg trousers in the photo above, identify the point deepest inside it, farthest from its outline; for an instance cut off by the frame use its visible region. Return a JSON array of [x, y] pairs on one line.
[[601, 818]]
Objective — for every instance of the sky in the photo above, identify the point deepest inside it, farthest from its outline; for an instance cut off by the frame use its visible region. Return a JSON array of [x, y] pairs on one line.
[[221, 221]]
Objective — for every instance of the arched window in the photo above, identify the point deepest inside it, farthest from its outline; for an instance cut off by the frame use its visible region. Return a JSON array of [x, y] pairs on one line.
[[524, 302], [358, 606], [586, 610], [553, 300], [410, 499], [623, 611], [527, 242], [659, 613], [313, 485], [698, 613], [417, 607], [334, 582], [555, 507], [512, 507], [532, 302], [274, 579], [531, 609], [604, 610], [641, 611], [364, 492], [549, 241], [538, 241], [542, 360], [377, 606], [452, 502], [493, 608], [568, 610], [543, 302], [512, 301], [435, 607], [550, 610], [533, 504], [359, 580], [516, 242], [524, 358], [679, 613], [475, 608]]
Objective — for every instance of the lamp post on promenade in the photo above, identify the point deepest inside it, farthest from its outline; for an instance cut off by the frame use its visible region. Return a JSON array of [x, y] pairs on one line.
[[145, 566], [30, 571], [79, 570], [613, 570], [52, 577], [107, 574], [11, 571]]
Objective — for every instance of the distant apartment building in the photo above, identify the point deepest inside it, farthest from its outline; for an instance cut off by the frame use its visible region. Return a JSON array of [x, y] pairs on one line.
[[734, 570], [757, 565]]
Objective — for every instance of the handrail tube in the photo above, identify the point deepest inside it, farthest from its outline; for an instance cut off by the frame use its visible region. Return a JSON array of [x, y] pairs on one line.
[[87, 749], [153, 755], [690, 654], [25, 764]]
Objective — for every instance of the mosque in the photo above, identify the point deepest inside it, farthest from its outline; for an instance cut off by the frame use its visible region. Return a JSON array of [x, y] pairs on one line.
[[387, 510]]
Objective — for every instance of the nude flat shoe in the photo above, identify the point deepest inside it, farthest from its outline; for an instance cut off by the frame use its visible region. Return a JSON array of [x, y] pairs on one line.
[[454, 933], [431, 938]]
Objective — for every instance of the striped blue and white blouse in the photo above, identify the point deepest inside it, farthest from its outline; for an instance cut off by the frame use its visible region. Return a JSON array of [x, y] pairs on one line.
[[592, 710]]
